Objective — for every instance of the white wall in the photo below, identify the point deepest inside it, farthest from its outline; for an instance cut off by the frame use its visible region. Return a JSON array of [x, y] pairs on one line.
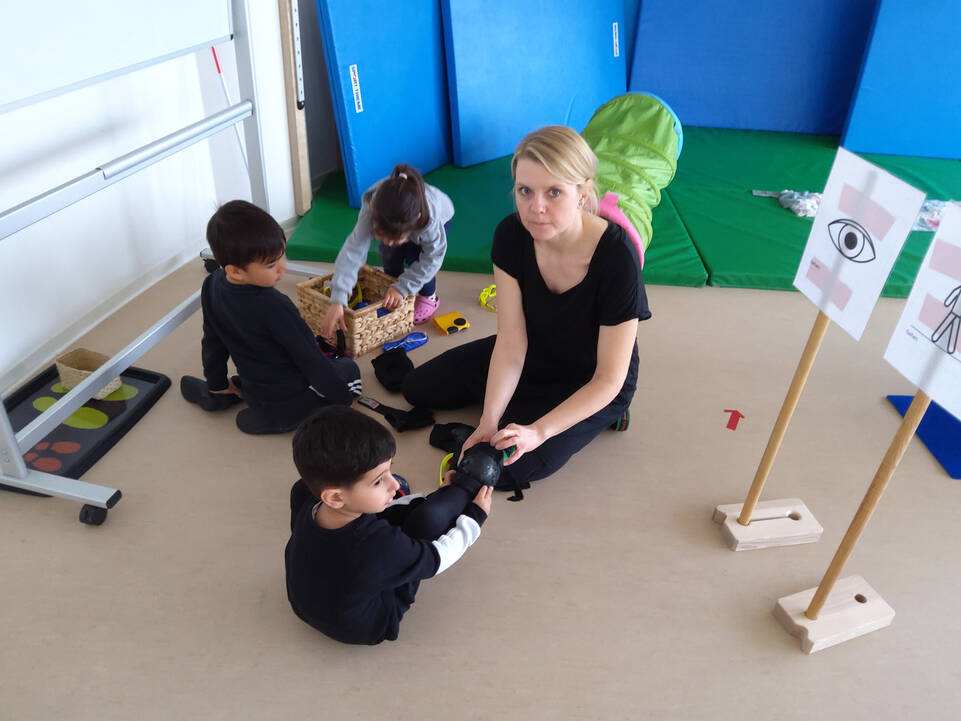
[[67, 272]]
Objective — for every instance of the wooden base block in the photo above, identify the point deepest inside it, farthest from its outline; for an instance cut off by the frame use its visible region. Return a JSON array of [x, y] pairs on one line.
[[785, 522], [852, 609]]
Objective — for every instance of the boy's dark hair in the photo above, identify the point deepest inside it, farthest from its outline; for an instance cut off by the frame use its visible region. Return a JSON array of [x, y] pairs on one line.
[[337, 445], [400, 204], [240, 233]]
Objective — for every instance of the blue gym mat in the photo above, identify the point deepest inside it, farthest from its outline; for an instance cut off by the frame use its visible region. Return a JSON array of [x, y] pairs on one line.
[[912, 61], [756, 64], [385, 63], [514, 68], [939, 431]]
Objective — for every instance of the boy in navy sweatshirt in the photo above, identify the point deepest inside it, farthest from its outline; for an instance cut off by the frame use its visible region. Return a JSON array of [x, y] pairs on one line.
[[282, 373], [355, 557]]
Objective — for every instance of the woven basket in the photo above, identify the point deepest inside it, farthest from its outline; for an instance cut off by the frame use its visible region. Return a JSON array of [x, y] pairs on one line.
[[365, 330], [79, 363]]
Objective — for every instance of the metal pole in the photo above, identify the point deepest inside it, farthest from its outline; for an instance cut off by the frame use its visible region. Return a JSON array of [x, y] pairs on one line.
[[39, 207]]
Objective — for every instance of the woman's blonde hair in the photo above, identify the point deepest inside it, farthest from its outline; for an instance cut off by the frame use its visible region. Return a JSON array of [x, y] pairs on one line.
[[564, 154]]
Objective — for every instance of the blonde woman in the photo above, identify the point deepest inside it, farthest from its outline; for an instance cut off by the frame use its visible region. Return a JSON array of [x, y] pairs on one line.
[[563, 365]]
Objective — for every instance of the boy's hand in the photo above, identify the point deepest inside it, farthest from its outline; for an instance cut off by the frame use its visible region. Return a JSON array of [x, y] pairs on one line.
[[447, 476], [483, 499], [231, 388], [334, 318], [393, 299]]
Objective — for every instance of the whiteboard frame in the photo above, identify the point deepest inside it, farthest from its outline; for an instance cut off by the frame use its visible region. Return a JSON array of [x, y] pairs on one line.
[[13, 471]]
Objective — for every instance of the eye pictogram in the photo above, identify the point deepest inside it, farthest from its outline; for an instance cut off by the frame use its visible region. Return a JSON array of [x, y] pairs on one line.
[[852, 241]]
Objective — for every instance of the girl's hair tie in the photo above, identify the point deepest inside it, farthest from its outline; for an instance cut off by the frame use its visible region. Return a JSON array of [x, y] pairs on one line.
[[402, 175]]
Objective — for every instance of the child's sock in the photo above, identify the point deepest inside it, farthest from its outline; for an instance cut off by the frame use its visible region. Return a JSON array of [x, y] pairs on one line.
[[391, 367], [450, 436]]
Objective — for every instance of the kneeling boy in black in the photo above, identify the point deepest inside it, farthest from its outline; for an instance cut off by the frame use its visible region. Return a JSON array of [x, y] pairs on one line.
[[283, 375], [353, 564]]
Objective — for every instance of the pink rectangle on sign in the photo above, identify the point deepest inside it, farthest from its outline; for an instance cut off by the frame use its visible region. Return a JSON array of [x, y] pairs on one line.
[[932, 312], [819, 274], [861, 208], [946, 258]]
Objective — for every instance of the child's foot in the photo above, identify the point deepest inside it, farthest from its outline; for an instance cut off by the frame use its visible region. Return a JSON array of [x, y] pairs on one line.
[[623, 422], [424, 307], [194, 390], [256, 424]]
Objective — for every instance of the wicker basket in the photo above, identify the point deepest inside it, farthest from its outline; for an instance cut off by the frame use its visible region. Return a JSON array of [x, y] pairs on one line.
[[79, 363], [365, 330]]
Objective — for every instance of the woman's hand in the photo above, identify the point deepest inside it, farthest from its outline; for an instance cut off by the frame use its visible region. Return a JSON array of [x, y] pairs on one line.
[[334, 318], [523, 438], [393, 299], [481, 435]]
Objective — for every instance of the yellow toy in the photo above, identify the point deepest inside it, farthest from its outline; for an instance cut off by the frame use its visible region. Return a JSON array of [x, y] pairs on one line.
[[451, 323], [357, 298], [445, 466], [486, 298]]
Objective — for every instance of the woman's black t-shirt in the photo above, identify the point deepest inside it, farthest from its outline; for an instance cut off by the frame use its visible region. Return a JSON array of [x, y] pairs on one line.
[[562, 328]]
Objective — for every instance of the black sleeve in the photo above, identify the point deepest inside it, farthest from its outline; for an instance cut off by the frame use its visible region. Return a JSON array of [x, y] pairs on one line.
[[396, 513], [622, 295], [391, 559], [506, 249], [213, 352], [477, 513], [292, 332]]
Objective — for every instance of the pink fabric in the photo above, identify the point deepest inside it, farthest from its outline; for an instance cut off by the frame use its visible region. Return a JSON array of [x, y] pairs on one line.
[[819, 274], [871, 215], [608, 209], [932, 311], [946, 258]]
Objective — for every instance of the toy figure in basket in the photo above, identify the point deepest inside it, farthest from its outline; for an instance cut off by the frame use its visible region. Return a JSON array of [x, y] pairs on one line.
[[410, 219]]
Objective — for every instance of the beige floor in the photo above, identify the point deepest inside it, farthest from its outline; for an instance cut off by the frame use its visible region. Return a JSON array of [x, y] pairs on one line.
[[607, 594]]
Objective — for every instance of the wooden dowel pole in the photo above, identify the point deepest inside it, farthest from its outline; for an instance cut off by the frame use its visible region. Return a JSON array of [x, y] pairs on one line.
[[909, 424], [296, 117], [784, 417]]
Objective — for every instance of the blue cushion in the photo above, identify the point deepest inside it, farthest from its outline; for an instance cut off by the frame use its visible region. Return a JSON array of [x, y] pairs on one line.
[[385, 63], [753, 64], [939, 431], [908, 98], [512, 68]]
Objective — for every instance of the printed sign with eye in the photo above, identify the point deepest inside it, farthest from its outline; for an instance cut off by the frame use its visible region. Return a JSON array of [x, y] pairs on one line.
[[851, 240], [861, 224]]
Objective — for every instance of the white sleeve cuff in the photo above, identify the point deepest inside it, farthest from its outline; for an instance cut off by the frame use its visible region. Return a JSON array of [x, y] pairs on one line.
[[452, 545]]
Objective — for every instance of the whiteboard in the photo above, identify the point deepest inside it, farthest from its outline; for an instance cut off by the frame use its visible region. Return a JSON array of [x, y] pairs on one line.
[[50, 47]]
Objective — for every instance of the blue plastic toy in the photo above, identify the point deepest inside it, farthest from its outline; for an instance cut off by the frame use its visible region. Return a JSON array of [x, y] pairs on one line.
[[411, 341]]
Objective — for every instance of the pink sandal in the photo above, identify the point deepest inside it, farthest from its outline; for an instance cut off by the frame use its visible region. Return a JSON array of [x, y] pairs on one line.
[[424, 308]]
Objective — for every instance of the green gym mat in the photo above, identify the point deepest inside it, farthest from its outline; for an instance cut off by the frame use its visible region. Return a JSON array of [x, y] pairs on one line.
[[752, 242], [482, 197]]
